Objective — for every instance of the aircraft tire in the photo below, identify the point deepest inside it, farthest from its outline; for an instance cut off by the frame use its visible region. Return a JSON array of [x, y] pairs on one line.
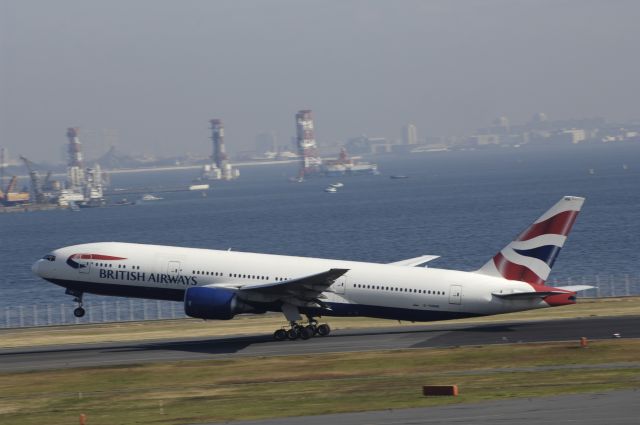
[[306, 333], [313, 329], [293, 333], [324, 330], [280, 335], [79, 312]]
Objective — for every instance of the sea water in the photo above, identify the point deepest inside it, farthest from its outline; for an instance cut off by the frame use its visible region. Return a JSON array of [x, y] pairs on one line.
[[462, 205]]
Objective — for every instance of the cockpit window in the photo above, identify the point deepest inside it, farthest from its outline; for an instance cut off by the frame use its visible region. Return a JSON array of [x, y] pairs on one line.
[[49, 257]]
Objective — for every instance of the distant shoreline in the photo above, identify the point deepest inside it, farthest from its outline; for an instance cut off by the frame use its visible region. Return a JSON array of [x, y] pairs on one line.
[[176, 168], [194, 167]]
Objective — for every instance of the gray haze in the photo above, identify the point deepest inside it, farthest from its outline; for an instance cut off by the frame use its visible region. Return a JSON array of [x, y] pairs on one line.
[[157, 71]]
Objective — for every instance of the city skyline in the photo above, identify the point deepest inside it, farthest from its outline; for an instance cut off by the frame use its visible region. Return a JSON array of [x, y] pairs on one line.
[[540, 130], [152, 74]]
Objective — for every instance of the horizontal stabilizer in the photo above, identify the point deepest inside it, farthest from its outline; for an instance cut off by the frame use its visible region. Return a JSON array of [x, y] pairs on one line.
[[575, 288], [416, 261], [527, 295]]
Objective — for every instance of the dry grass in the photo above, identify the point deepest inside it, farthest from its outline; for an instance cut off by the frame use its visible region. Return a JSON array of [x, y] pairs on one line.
[[249, 388]]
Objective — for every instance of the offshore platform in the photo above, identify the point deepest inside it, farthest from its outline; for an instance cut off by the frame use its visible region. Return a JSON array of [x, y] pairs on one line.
[[220, 168], [311, 162]]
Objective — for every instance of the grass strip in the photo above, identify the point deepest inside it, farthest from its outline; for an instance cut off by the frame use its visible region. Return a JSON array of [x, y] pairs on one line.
[[262, 387]]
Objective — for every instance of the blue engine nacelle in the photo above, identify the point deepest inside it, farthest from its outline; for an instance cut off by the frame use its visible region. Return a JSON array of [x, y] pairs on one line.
[[212, 303]]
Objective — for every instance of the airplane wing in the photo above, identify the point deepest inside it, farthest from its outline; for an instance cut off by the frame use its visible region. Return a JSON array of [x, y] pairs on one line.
[[416, 262], [302, 292]]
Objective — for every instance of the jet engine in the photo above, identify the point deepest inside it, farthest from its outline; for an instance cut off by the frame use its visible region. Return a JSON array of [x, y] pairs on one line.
[[213, 303]]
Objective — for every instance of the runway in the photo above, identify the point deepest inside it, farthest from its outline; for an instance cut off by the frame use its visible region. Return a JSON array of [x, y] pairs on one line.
[[441, 335]]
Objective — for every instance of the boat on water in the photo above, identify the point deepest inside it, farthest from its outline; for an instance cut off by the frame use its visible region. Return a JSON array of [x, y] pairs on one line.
[[199, 187], [92, 203], [399, 176], [331, 189], [149, 197], [123, 203], [346, 165], [336, 185]]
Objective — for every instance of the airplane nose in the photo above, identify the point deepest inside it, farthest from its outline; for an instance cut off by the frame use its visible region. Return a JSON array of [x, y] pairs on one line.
[[36, 267]]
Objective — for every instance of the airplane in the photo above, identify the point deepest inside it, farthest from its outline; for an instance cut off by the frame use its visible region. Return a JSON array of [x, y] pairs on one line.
[[218, 284]]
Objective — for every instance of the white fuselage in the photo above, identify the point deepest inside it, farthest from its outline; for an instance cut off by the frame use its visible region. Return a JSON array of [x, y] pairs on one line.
[[367, 289]]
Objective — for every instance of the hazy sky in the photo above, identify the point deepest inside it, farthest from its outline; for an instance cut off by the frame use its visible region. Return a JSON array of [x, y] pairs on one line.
[[156, 71]]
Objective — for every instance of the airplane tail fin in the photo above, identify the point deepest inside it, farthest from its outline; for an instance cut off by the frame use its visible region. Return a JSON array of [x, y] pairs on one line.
[[530, 257]]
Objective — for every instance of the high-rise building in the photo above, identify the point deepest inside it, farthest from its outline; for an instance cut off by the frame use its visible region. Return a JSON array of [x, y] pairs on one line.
[[501, 125], [539, 117], [409, 134], [307, 147], [265, 142]]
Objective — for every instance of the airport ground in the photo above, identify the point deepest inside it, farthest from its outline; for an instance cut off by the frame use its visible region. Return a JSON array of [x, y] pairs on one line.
[[178, 373]]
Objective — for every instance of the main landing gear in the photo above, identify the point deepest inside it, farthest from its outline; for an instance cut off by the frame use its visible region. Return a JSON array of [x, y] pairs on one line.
[[301, 331], [77, 298]]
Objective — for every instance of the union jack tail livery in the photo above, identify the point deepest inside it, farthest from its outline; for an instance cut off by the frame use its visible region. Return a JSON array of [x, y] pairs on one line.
[[530, 257]]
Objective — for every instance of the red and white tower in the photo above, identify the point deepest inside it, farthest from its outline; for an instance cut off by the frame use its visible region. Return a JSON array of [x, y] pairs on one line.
[[75, 172], [75, 148], [307, 147], [220, 168], [219, 155]]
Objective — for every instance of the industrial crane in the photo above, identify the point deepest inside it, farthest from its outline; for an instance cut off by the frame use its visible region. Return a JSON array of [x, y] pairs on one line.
[[36, 186]]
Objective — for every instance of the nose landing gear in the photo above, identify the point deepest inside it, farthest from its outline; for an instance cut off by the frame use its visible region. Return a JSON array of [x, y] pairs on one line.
[[78, 312], [77, 298]]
